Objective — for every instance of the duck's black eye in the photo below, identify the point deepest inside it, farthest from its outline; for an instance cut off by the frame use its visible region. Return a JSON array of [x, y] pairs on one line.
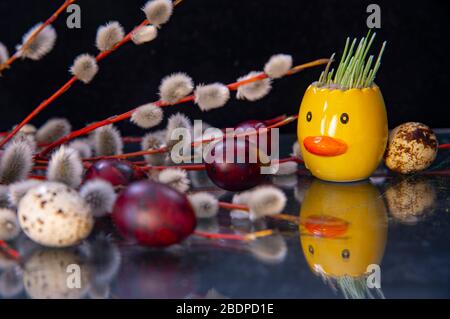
[[311, 250], [309, 116], [344, 118], [346, 254]]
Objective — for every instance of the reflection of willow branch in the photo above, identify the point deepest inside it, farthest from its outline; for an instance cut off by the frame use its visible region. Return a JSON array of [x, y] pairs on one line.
[[9, 251], [246, 209], [356, 288], [351, 287]]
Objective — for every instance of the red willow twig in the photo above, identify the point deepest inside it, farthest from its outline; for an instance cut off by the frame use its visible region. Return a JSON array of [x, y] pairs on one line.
[[138, 139], [117, 118], [37, 177], [132, 139], [71, 81], [7, 64], [444, 146], [194, 144]]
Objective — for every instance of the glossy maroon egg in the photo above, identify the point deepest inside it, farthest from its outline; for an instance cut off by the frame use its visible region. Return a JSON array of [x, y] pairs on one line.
[[256, 125], [241, 173], [117, 172], [153, 214], [251, 124]]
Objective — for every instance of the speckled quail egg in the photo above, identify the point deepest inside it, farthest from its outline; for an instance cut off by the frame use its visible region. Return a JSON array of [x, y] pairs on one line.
[[9, 226], [410, 200], [55, 215], [412, 147], [56, 274]]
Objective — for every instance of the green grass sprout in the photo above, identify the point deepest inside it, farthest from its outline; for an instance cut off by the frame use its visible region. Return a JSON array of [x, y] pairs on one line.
[[355, 67]]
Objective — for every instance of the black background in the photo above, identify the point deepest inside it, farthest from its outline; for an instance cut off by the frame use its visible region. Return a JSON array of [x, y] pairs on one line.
[[220, 40]]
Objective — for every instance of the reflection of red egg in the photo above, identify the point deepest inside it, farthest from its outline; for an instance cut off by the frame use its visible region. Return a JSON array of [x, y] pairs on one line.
[[154, 275], [117, 172], [153, 214], [256, 125]]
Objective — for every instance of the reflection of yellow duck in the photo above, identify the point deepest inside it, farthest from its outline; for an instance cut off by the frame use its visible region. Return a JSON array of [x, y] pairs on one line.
[[343, 134], [343, 230]]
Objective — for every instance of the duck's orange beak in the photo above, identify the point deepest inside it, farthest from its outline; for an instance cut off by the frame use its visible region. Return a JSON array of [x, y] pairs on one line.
[[324, 146]]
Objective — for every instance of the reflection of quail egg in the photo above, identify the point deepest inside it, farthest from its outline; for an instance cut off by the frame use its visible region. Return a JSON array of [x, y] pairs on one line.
[[412, 147], [9, 227], [55, 215], [409, 200], [47, 275]]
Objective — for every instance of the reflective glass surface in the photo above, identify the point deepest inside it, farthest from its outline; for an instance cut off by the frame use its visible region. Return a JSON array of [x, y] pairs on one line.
[[387, 237]]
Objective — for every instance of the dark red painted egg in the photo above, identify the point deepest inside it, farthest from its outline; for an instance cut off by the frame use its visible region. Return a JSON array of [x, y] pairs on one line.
[[256, 125], [241, 173], [153, 214], [117, 172]]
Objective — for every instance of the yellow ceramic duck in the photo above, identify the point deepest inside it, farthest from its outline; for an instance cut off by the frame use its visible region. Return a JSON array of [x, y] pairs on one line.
[[343, 229], [342, 126]]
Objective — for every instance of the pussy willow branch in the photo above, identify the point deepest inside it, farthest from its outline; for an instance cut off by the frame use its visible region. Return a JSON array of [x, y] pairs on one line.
[[71, 81], [190, 98], [282, 120], [197, 143], [7, 64], [138, 139]]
